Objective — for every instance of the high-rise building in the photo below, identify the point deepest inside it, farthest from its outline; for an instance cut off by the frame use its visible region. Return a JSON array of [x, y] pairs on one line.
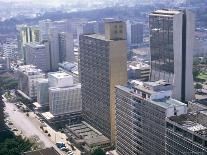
[[141, 109], [171, 46], [10, 50], [134, 33], [187, 134], [103, 65], [66, 47], [42, 92], [27, 34], [38, 55]]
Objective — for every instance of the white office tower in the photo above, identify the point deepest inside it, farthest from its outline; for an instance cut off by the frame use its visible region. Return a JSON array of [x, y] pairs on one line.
[[38, 55], [87, 28], [64, 95], [171, 47], [28, 76], [66, 47], [134, 33], [42, 92]]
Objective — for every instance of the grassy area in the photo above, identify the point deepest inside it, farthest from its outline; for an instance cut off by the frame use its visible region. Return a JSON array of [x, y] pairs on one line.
[[202, 76]]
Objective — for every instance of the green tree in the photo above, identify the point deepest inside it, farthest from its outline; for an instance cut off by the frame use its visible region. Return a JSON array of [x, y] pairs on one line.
[[15, 146], [198, 86], [97, 151]]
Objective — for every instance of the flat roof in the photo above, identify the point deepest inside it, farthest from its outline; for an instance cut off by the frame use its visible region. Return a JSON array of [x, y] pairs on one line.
[[59, 75], [48, 115], [97, 36], [193, 121], [90, 135], [164, 102]]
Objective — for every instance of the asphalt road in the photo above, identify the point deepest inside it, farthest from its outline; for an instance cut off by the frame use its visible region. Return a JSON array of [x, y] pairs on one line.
[[26, 126]]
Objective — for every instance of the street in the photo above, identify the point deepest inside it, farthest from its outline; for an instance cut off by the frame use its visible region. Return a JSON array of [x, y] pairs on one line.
[[30, 126]]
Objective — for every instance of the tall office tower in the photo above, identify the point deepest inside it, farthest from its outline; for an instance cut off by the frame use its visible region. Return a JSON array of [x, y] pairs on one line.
[[66, 47], [54, 49], [87, 28], [28, 76], [103, 64], [141, 110], [46, 25], [27, 34], [42, 92], [186, 134], [171, 45], [134, 33], [37, 55]]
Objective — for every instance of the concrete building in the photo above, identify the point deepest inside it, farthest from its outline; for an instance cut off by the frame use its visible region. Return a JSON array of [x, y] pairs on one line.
[[186, 134], [103, 64], [46, 25], [10, 50], [4, 64], [42, 92], [38, 55], [28, 76], [138, 71], [87, 28], [171, 46], [141, 110], [134, 33], [65, 100], [66, 47]]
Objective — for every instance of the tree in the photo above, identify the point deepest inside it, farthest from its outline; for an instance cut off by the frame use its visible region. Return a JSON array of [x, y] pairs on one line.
[[198, 86], [97, 151]]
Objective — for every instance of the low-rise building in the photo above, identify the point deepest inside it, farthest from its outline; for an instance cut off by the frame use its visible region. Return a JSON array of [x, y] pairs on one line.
[[28, 76], [138, 71]]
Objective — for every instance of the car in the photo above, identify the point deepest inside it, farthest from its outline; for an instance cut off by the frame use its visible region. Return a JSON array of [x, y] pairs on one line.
[[60, 144], [71, 153], [15, 129]]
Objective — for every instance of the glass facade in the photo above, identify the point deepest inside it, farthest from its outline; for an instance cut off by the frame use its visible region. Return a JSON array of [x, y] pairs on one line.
[[161, 46]]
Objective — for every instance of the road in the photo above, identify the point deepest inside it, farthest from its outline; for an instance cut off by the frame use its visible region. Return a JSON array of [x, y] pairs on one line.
[[26, 126]]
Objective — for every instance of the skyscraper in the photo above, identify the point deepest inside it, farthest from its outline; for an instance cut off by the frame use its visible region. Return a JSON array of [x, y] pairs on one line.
[[66, 47], [171, 45], [103, 64], [134, 33], [140, 117]]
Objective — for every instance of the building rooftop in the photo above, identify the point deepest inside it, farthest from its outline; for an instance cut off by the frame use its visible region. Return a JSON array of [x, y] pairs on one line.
[[59, 75], [194, 122], [137, 65], [97, 36], [158, 93], [165, 12], [88, 134], [35, 45], [29, 69]]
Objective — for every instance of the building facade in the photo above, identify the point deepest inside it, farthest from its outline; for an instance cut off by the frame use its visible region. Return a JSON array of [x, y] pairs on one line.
[[38, 55], [141, 110], [42, 92], [186, 134], [28, 76], [134, 33], [103, 64], [171, 46]]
